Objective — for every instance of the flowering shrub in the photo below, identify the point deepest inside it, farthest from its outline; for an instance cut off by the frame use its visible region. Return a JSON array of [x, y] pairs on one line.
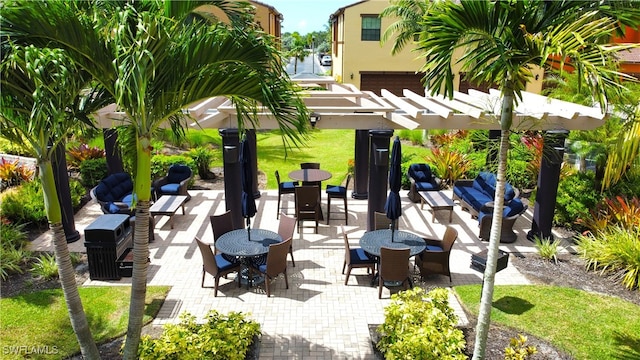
[[13, 173]]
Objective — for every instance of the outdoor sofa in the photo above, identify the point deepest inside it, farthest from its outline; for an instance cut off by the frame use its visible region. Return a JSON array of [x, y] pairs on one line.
[[477, 196]]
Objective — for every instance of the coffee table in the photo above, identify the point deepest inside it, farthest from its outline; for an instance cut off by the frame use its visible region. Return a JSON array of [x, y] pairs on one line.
[[436, 200], [168, 205]]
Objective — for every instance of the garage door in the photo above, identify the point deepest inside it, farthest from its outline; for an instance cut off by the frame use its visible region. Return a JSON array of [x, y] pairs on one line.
[[392, 81]]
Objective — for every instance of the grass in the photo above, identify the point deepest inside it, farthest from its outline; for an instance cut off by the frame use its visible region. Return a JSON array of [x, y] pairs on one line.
[[331, 148], [40, 320], [585, 325]]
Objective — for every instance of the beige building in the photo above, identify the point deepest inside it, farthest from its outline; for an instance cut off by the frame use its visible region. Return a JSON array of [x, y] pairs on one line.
[[266, 16], [360, 59]]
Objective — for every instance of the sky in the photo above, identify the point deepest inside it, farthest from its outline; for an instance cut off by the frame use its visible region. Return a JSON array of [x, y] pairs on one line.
[[305, 16]]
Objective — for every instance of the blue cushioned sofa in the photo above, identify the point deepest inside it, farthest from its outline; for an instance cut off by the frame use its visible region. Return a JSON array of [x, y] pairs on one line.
[[422, 179], [114, 194], [477, 197]]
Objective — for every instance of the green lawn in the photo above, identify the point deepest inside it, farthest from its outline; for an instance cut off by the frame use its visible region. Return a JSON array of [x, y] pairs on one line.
[[331, 148], [585, 325], [40, 322]]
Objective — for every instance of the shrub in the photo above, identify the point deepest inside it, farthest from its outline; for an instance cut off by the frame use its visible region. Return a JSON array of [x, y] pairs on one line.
[[619, 211], [13, 173], [420, 325], [77, 154], [547, 248], [203, 156], [517, 349], [92, 171], [519, 176], [576, 195], [13, 148], [615, 251], [12, 252], [25, 203], [448, 165], [45, 267], [221, 337]]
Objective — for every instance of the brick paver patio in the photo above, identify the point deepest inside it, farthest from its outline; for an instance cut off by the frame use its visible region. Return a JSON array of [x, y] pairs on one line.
[[318, 317]]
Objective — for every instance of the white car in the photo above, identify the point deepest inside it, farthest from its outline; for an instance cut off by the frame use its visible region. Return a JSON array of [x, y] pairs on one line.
[[326, 60]]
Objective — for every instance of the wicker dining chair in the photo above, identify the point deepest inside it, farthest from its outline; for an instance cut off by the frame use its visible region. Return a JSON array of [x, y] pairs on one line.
[[286, 228], [394, 269], [435, 258], [215, 265], [355, 258], [276, 264]]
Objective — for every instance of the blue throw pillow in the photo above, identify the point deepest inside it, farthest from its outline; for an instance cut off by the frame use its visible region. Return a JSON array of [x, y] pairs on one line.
[[113, 208]]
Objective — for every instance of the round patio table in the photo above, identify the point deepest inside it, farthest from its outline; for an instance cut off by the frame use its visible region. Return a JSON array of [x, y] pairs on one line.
[[237, 243], [372, 241], [310, 175]]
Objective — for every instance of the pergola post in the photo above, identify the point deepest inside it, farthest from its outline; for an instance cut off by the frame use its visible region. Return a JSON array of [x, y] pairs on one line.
[[361, 166], [378, 173], [112, 153], [61, 178], [232, 181], [548, 180]]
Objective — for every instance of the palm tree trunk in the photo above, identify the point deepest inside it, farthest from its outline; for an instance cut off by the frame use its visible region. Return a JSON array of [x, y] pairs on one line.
[[67, 275], [140, 250], [484, 316]]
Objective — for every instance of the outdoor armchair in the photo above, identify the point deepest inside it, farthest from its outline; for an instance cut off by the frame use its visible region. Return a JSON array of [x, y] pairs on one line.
[[422, 179], [175, 182]]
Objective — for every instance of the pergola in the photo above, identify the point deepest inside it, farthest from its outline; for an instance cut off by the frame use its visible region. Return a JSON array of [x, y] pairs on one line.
[[374, 117]]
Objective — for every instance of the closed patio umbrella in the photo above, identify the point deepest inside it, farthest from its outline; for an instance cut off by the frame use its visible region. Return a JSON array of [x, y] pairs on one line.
[[246, 178], [393, 207]]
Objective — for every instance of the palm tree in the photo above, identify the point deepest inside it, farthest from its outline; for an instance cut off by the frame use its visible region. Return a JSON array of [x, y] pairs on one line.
[[155, 58], [407, 26], [39, 88], [501, 40]]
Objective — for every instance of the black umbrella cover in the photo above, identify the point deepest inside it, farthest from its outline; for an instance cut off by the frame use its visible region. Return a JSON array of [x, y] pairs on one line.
[[246, 177], [393, 207]]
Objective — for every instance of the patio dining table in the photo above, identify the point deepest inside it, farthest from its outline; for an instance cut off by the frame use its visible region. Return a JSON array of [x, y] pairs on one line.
[[238, 243], [372, 241]]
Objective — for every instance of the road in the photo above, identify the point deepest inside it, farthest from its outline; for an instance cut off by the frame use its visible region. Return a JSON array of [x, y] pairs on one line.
[[310, 65]]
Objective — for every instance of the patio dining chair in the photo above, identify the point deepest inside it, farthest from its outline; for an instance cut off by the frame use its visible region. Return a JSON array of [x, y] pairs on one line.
[[355, 258], [435, 258], [276, 264], [394, 269], [381, 221], [222, 224], [338, 192], [287, 187], [286, 228], [307, 205], [215, 265]]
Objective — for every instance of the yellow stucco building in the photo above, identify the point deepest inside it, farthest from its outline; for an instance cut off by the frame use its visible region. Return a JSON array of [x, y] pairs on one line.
[[360, 59]]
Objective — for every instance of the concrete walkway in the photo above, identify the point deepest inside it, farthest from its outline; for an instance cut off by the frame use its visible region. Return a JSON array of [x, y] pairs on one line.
[[318, 317]]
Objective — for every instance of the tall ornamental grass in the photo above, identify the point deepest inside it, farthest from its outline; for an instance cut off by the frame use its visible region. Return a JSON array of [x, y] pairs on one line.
[[614, 250]]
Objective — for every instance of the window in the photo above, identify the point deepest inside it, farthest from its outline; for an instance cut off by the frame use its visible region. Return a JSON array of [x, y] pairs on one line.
[[370, 28]]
